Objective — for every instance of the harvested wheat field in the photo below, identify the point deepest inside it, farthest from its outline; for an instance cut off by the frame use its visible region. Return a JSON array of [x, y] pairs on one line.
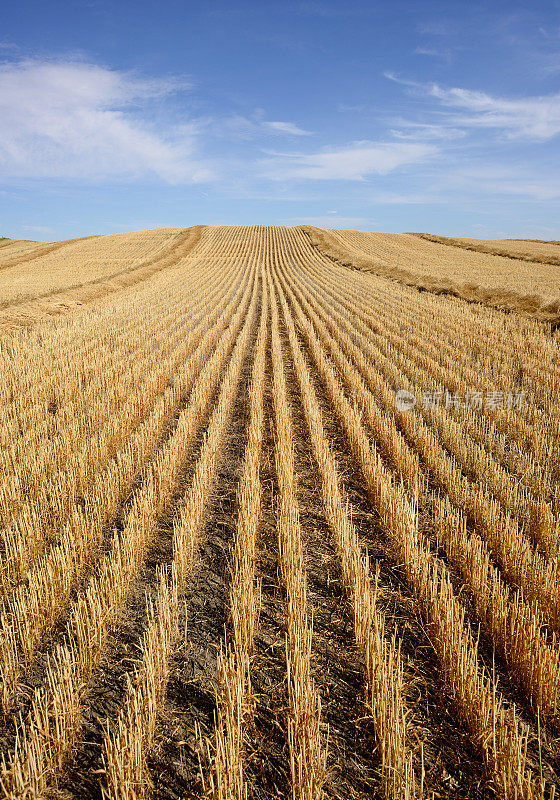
[[49, 279], [534, 250], [273, 527], [518, 276]]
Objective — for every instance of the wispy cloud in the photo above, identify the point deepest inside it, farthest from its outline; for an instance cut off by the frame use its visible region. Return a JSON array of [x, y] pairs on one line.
[[422, 131], [354, 162], [287, 128], [68, 119], [254, 126], [535, 118], [435, 52], [531, 118]]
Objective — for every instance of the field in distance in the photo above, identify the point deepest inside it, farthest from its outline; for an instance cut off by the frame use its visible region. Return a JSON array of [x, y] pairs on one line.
[[279, 516], [517, 275]]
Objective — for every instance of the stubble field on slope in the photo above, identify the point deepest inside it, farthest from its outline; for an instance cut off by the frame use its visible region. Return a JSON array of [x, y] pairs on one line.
[[233, 566], [427, 262], [536, 250], [41, 279]]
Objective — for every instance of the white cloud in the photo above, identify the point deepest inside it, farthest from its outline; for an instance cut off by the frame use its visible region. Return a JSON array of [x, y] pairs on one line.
[[434, 52], [354, 162], [287, 128], [535, 118], [420, 131], [531, 118], [254, 127], [77, 120]]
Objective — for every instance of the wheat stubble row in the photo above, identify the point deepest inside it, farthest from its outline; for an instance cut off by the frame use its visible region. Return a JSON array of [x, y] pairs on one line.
[[126, 747], [53, 720], [55, 708], [472, 496], [493, 526], [234, 693], [505, 750], [36, 604], [457, 355], [514, 625], [28, 535], [381, 658], [499, 338]]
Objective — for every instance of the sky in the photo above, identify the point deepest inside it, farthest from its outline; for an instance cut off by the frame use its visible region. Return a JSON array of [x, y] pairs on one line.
[[409, 115]]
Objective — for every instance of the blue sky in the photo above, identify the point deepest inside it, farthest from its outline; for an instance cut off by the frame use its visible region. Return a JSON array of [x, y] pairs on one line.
[[394, 116]]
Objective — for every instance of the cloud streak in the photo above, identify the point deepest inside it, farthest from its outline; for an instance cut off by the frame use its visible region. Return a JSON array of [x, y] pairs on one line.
[[355, 162], [530, 118], [255, 126], [536, 118], [79, 120], [286, 128]]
